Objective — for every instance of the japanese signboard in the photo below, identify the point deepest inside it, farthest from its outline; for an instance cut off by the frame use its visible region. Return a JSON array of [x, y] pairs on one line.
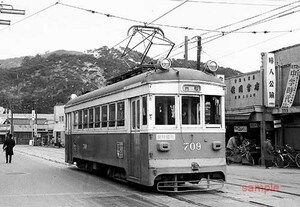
[[291, 86], [268, 66], [240, 129]]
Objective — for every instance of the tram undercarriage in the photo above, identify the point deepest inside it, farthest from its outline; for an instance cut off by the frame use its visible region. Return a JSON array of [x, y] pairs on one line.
[[190, 182]]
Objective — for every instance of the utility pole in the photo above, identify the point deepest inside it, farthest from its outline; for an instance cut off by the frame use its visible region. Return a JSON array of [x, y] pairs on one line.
[[186, 58], [199, 48]]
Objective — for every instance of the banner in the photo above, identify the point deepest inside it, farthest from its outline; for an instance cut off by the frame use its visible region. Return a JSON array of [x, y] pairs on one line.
[[291, 86], [268, 67]]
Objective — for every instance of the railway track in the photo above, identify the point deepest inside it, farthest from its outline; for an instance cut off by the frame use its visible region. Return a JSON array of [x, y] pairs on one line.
[[233, 195]]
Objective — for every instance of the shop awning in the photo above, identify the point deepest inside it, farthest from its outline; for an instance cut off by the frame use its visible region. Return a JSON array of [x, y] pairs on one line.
[[241, 117]]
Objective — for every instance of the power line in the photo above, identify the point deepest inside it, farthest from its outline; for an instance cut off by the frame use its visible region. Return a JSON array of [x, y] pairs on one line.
[[228, 3], [101, 13], [214, 37], [40, 11], [168, 12]]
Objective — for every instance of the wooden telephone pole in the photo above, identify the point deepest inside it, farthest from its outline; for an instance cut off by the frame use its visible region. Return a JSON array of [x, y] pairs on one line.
[[199, 48]]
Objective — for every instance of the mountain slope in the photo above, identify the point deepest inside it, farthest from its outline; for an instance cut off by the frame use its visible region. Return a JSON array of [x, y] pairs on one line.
[[43, 81]]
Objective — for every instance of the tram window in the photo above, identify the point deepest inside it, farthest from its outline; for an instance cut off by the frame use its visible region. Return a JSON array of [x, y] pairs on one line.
[[97, 117], [80, 119], [85, 118], [138, 114], [120, 114], [91, 118], [104, 116], [164, 110], [112, 115], [133, 115], [144, 110], [75, 119], [212, 109], [190, 110]]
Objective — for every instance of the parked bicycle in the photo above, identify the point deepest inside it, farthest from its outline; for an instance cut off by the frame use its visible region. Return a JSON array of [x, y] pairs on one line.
[[240, 155], [277, 159], [291, 156]]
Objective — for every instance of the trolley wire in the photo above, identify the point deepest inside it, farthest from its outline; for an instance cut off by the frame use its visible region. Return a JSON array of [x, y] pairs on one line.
[[278, 15], [23, 19]]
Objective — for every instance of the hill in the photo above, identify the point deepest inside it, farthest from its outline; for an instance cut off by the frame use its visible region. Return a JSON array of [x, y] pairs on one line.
[[42, 81]]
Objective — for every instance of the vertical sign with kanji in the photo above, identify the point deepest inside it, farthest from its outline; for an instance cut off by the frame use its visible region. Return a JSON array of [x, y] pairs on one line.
[[291, 86], [268, 66]]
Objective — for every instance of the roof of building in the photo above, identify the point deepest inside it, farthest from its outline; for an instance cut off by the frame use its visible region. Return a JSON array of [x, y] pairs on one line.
[[285, 48]]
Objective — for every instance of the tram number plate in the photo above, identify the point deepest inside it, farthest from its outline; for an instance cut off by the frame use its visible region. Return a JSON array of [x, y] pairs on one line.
[[192, 146]]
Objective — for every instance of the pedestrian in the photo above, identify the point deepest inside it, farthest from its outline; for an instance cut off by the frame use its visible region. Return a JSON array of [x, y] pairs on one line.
[[8, 146], [267, 153]]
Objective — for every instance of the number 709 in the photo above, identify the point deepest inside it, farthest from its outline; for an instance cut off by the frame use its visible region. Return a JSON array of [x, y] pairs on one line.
[[192, 146]]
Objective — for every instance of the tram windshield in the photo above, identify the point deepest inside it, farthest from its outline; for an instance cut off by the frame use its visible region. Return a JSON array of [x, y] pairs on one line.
[[212, 110], [194, 110], [165, 110], [190, 110]]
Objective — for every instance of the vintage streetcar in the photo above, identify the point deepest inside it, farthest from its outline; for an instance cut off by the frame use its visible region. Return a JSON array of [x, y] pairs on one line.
[[162, 127]]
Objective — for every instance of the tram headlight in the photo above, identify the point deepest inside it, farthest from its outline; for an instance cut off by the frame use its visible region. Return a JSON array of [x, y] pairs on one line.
[[164, 63]]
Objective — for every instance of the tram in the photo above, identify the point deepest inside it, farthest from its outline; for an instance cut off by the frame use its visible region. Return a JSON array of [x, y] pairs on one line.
[[162, 127]]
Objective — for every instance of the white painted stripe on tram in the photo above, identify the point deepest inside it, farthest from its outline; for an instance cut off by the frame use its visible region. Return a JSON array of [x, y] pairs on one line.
[[168, 163]]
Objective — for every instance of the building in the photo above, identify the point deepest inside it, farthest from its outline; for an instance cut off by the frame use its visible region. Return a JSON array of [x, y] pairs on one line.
[[59, 123], [24, 127], [244, 108], [266, 103], [287, 103]]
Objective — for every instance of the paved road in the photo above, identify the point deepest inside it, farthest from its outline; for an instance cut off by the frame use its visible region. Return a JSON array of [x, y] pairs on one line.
[[239, 191]]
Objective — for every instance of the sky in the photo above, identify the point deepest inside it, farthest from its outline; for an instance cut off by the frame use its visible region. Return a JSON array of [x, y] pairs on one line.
[[50, 25]]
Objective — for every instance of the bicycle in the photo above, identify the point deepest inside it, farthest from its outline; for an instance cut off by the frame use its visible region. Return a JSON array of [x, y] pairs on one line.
[[277, 159], [237, 155], [290, 156]]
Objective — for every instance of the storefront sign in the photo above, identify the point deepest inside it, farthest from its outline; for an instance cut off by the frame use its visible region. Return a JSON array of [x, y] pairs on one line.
[[240, 129], [291, 86], [268, 66], [277, 123]]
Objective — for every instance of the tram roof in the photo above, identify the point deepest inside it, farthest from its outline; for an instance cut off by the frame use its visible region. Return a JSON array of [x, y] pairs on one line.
[[173, 74]]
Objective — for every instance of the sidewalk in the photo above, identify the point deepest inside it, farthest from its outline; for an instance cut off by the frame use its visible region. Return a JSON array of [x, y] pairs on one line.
[[53, 154]]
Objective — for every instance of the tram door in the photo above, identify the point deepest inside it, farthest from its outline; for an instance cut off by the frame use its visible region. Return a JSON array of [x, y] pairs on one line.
[[135, 158]]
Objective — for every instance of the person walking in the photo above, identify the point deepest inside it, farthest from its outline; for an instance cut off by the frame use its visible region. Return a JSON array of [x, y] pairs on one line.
[[267, 153], [8, 146]]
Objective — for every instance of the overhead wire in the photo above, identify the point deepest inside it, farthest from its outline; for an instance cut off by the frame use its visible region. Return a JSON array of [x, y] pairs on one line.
[[214, 37], [232, 24], [228, 3], [156, 19], [27, 17]]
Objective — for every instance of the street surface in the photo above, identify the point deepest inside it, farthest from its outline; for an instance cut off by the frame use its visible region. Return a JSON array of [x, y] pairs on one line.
[[38, 176]]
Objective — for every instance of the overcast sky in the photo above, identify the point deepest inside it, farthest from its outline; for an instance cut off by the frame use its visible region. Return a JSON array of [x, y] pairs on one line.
[[48, 26]]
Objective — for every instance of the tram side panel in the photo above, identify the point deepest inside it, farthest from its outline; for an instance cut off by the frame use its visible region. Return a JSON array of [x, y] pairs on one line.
[[108, 149]]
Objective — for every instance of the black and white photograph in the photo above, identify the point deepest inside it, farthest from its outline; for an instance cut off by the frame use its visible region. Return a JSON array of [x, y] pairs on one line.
[[139, 103]]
